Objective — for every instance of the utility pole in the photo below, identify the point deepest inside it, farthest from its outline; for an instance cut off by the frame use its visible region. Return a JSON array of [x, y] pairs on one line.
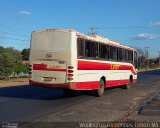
[[147, 56], [93, 31]]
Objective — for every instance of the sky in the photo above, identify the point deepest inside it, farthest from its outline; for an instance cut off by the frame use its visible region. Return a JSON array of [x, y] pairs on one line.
[[134, 23]]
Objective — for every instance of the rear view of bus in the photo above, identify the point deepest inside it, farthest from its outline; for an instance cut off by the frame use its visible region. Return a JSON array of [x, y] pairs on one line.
[[62, 58], [50, 58]]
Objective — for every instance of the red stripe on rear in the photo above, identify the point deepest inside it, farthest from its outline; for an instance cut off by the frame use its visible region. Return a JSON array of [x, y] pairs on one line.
[[43, 67]]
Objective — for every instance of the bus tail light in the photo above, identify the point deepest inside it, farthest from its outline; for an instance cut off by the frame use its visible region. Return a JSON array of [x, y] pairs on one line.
[[70, 67], [70, 72], [70, 78], [70, 75], [30, 71]]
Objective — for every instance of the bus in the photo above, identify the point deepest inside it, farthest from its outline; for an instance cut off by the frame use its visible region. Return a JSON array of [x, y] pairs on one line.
[[70, 60]]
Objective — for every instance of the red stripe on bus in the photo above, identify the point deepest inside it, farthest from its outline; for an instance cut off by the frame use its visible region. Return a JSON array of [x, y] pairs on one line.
[[92, 85], [111, 83], [43, 67], [88, 65]]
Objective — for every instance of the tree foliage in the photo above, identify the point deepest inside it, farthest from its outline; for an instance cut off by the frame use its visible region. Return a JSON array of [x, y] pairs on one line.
[[25, 54], [5, 65], [10, 62]]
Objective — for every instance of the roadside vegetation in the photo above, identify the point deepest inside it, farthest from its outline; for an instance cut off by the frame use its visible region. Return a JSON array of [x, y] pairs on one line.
[[144, 62], [13, 63]]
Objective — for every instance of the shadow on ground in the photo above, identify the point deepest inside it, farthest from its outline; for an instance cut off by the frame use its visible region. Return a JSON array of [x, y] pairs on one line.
[[40, 93]]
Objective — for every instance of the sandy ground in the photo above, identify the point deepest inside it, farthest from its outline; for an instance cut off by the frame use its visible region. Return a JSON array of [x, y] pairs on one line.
[[14, 82]]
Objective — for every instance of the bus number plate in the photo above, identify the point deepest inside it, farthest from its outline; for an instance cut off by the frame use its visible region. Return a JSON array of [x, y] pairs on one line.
[[49, 79], [48, 55]]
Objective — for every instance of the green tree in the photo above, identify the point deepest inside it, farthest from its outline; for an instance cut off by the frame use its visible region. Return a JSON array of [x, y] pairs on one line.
[[25, 54], [5, 65], [10, 62], [16, 59]]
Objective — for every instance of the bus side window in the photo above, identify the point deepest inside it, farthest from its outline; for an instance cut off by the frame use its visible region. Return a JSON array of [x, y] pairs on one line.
[[91, 49], [119, 54], [135, 60], [130, 56], [107, 52], [80, 47], [87, 49], [95, 50], [123, 55], [103, 51], [113, 53]]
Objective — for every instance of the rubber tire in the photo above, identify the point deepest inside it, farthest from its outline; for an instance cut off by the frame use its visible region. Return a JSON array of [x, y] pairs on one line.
[[127, 86], [100, 91]]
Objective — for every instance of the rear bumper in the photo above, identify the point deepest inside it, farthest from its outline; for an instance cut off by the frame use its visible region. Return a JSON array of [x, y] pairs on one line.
[[47, 85]]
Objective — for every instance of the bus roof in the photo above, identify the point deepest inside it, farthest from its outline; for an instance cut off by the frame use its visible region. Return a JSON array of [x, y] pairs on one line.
[[92, 37], [104, 40]]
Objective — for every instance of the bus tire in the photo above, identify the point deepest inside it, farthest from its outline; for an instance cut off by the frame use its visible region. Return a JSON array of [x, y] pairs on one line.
[[100, 91], [127, 86]]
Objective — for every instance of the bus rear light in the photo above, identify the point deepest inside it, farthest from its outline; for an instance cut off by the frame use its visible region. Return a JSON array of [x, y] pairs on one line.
[[70, 74], [30, 69], [70, 67], [70, 71], [70, 78], [30, 74]]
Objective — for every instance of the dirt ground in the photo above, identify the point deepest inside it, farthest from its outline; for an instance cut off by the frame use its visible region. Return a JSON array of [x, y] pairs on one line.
[[14, 82]]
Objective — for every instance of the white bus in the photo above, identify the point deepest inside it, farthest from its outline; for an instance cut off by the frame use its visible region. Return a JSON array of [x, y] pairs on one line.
[[67, 59]]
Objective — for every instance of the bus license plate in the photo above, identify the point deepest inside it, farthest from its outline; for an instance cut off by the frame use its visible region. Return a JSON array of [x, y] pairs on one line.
[[49, 79]]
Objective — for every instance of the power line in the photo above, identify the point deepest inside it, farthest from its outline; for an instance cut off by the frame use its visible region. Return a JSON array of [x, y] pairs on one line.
[[125, 27], [12, 38], [16, 29], [16, 34]]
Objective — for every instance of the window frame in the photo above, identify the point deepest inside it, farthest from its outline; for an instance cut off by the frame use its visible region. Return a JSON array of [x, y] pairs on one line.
[[112, 54], [83, 49]]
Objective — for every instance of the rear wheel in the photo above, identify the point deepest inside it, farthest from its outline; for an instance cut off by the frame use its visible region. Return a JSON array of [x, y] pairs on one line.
[[127, 86], [100, 91]]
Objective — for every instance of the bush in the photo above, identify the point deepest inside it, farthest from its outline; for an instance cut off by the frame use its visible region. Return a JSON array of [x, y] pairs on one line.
[[10, 63]]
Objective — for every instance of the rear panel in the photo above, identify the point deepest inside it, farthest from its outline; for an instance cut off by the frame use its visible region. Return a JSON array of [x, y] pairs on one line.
[[50, 56]]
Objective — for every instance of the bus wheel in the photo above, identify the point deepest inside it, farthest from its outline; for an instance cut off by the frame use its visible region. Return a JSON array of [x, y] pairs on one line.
[[127, 86], [100, 91], [68, 92]]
